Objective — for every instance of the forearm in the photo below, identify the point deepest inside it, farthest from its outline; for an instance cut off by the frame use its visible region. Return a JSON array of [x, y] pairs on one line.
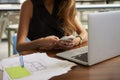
[[41, 43], [84, 36], [30, 46], [28, 52], [81, 31]]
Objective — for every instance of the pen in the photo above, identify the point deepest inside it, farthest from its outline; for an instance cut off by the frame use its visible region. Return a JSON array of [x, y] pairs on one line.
[[21, 61]]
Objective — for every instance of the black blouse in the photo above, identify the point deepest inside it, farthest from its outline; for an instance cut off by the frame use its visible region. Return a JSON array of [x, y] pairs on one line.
[[43, 23]]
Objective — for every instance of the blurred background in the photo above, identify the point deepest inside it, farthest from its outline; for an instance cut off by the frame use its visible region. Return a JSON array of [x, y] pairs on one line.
[[10, 11]]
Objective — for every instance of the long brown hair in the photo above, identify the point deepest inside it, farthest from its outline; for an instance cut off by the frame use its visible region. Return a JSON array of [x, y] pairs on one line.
[[67, 13]]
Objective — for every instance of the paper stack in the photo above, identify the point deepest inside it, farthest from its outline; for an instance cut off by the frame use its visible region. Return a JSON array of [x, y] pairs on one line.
[[38, 66]]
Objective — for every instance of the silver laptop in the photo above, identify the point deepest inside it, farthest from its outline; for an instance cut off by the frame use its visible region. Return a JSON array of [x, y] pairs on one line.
[[103, 40]]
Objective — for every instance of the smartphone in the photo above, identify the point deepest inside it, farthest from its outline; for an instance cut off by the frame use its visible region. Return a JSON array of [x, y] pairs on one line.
[[67, 38]]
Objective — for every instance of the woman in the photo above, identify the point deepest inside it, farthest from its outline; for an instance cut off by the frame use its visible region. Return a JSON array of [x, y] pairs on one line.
[[44, 22]]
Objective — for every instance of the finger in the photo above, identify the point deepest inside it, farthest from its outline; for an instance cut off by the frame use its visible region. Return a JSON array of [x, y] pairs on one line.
[[55, 37]]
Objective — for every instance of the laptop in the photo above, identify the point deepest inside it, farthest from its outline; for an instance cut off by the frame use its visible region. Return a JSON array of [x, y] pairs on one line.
[[103, 40]]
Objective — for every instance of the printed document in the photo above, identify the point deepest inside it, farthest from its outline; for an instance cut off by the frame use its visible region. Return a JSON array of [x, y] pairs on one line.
[[40, 66]]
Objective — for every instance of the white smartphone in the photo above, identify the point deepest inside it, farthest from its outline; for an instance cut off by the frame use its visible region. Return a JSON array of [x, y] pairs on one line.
[[67, 38]]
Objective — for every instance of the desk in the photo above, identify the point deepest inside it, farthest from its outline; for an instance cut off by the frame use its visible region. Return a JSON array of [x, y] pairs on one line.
[[107, 70], [98, 7], [10, 7], [90, 1]]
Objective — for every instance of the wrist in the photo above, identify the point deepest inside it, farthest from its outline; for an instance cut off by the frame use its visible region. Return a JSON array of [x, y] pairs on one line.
[[81, 40]]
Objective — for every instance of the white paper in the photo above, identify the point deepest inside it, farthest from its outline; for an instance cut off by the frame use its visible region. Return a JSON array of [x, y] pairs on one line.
[[41, 66]]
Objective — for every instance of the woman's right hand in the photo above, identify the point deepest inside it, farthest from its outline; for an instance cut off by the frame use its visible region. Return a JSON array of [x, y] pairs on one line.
[[49, 42]]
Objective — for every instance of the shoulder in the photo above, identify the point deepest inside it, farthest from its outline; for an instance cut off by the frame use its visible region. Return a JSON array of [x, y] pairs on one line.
[[27, 4], [27, 8]]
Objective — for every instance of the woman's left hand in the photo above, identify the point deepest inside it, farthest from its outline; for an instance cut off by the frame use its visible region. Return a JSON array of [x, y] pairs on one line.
[[63, 44]]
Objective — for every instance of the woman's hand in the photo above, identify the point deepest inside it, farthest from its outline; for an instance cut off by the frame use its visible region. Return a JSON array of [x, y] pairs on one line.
[[63, 44], [49, 42]]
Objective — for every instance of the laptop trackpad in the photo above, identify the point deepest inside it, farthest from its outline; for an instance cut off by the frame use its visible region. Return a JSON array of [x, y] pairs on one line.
[[81, 57]]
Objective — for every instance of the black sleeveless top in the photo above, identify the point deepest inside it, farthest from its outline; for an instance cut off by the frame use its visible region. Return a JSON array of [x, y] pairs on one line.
[[43, 23]]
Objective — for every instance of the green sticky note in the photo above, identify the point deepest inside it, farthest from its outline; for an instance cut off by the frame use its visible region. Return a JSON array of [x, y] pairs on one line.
[[17, 72]]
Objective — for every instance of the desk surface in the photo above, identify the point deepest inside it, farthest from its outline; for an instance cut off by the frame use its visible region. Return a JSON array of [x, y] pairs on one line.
[[107, 70], [10, 7], [90, 0], [97, 6]]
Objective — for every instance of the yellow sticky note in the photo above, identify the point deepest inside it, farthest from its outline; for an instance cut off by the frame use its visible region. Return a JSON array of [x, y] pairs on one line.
[[17, 72]]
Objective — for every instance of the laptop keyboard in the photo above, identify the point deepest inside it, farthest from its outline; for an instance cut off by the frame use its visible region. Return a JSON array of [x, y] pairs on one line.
[[81, 57]]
